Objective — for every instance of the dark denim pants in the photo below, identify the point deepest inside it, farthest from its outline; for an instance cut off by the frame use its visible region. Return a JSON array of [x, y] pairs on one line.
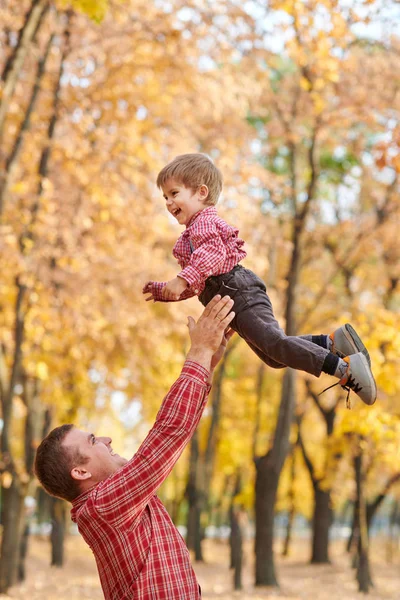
[[255, 322]]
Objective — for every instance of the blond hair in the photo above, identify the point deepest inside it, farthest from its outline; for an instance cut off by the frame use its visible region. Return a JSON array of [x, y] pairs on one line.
[[194, 170]]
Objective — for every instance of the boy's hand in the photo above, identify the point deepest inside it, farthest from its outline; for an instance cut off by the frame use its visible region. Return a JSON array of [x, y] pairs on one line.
[[148, 289], [174, 288]]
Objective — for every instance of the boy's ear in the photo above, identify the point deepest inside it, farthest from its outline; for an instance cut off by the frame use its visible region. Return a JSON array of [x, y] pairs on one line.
[[203, 192]]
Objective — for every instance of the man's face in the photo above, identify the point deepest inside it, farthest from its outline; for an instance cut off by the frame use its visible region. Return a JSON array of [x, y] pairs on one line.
[[102, 461], [182, 202]]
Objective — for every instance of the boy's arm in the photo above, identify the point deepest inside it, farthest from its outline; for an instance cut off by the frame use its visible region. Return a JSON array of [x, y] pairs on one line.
[[155, 289], [207, 258]]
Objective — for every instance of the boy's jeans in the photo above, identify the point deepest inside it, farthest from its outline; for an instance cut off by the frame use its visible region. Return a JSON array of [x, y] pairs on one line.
[[256, 324]]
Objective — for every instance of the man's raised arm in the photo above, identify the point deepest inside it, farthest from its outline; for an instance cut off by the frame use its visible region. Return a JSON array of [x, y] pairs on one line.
[[125, 495]]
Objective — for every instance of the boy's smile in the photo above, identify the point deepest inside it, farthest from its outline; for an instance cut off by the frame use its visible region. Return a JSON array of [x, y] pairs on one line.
[[183, 202]]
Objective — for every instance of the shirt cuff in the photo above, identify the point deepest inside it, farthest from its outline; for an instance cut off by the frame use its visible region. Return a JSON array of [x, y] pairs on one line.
[[157, 289], [195, 371], [192, 276]]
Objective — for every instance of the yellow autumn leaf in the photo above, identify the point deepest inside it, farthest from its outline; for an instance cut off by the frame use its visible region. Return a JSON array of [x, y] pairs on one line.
[[6, 479], [305, 84], [318, 102], [95, 9], [20, 187], [42, 371]]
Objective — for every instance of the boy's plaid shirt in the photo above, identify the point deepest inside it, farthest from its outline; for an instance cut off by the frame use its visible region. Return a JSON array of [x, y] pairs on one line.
[[139, 552], [216, 249]]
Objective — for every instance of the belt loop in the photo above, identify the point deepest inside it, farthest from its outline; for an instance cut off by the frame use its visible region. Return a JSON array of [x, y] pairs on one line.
[[219, 278]]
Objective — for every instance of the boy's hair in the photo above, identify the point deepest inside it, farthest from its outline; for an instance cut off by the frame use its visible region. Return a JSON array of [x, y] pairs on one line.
[[53, 464], [194, 170]]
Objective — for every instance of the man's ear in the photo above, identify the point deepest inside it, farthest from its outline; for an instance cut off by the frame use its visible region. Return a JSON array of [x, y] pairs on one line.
[[203, 192], [80, 473]]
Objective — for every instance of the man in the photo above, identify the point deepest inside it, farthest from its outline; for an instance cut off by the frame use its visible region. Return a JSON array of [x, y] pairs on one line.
[[138, 550]]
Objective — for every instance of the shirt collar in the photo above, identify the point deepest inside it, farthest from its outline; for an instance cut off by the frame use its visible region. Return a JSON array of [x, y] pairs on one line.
[[80, 500], [210, 210]]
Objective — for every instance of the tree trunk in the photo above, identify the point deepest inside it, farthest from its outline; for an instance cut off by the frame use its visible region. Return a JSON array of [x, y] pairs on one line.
[[363, 568], [221, 515], [202, 466], [322, 520], [207, 462], [12, 520], [11, 162], [393, 521], [322, 515], [354, 535], [266, 488], [23, 551], [198, 552], [58, 529], [33, 426], [372, 507], [289, 530], [268, 470], [193, 492], [292, 506], [236, 546], [12, 495], [234, 514], [43, 506], [15, 63], [269, 467]]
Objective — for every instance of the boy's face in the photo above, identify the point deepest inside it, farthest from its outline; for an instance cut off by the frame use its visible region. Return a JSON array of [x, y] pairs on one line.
[[183, 202]]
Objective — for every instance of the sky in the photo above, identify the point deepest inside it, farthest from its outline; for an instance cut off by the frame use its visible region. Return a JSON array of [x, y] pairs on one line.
[[385, 21]]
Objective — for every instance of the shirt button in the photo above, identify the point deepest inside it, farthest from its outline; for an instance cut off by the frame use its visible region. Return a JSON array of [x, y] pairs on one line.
[[196, 291]]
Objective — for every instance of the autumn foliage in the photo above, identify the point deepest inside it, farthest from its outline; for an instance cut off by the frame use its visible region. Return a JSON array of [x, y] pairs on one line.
[[298, 104]]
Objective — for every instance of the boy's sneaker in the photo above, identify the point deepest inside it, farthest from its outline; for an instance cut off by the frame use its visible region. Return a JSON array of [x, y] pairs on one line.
[[346, 342], [359, 378]]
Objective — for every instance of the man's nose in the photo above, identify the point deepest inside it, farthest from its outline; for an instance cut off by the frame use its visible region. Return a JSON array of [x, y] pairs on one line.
[[106, 440]]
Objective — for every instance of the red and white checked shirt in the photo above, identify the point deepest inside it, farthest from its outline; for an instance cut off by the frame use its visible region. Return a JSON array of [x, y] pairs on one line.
[[139, 552], [216, 249]]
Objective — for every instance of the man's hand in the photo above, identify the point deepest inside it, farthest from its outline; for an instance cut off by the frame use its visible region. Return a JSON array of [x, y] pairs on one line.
[[208, 334], [228, 333], [174, 288]]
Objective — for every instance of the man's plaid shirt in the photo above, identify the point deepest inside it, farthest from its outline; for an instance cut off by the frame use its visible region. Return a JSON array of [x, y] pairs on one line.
[[138, 550], [208, 246]]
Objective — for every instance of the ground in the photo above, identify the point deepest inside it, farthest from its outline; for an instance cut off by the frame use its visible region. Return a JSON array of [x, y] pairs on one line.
[[78, 580]]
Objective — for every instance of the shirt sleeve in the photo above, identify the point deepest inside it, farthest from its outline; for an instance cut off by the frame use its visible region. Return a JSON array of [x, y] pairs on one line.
[[125, 495], [157, 288], [208, 256]]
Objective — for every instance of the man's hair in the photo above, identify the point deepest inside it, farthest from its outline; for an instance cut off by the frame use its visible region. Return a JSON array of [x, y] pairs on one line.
[[194, 170], [54, 462]]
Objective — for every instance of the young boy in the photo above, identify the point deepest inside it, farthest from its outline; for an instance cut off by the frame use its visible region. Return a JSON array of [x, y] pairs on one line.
[[209, 252]]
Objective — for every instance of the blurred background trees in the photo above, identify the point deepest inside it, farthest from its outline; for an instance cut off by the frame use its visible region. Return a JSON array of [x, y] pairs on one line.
[[298, 104]]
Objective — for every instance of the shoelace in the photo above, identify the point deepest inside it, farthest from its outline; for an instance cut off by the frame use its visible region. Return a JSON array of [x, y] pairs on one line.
[[350, 384]]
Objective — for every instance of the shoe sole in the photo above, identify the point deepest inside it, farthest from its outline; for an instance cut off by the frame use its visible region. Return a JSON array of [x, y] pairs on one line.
[[353, 338], [372, 381]]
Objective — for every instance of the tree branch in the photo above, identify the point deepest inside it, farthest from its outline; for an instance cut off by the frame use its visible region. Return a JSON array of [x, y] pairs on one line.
[[14, 65]]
